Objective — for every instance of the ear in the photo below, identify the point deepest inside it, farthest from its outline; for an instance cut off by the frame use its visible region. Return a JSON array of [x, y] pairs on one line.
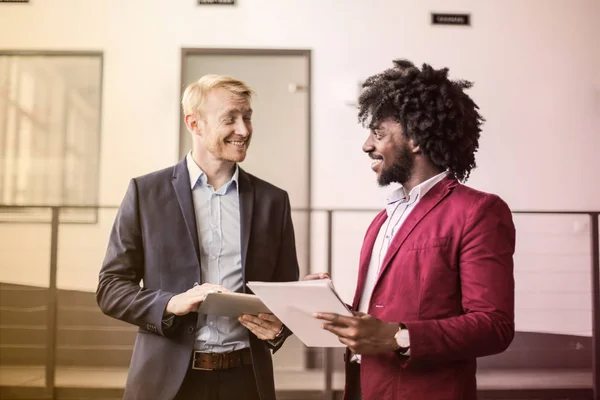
[[414, 148], [193, 124]]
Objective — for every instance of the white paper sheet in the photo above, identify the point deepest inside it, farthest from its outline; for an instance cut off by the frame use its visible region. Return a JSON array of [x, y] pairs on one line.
[[294, 304]]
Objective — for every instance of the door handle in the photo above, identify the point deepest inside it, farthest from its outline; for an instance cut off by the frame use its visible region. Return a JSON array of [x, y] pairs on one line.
[[296, 87]]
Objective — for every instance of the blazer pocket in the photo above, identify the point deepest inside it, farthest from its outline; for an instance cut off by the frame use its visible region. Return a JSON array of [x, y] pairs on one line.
[[434, 242]]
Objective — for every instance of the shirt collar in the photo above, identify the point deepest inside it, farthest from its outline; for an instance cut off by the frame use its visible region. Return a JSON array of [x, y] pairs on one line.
[[417, 192], [197, 175]]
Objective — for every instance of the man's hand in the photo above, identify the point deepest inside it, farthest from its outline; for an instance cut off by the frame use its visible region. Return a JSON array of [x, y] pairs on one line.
[[317, 276], [362, 333], [186, 302], [265, 326]]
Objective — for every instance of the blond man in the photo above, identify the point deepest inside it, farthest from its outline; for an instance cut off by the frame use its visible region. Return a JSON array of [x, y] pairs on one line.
[[202, 225]]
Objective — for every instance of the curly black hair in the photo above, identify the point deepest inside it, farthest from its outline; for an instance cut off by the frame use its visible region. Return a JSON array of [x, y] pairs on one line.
[[433, 111]]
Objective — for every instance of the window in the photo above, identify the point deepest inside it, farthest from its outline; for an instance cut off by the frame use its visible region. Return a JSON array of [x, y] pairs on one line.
[[50, 130]]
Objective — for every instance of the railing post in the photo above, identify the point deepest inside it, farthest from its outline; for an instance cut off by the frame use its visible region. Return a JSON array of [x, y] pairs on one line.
[[328, 359], [52, 307], [595, 302]]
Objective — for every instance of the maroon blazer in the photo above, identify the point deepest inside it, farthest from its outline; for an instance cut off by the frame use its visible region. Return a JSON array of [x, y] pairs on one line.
[[448, 276]]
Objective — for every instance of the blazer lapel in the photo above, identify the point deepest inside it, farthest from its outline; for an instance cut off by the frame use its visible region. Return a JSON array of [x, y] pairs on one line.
[[423, 207], [183, 191], [365, 255], [246, 191]]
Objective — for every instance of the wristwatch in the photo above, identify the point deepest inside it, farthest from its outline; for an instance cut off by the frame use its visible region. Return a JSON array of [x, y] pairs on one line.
[[402, 339]]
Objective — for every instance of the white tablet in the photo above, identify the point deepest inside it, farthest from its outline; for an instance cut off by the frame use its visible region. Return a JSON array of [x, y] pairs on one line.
[[232, 304]]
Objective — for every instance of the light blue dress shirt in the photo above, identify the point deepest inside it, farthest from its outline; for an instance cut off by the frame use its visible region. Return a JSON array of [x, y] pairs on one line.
[[218, 221]]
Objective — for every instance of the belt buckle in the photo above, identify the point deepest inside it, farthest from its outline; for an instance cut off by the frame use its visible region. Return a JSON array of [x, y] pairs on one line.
[[199, 368]]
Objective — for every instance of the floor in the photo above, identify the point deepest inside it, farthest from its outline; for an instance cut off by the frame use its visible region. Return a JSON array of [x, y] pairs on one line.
[[77, 377]]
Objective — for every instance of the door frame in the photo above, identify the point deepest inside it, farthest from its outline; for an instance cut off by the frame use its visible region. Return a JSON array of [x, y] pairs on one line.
[[185, 52]]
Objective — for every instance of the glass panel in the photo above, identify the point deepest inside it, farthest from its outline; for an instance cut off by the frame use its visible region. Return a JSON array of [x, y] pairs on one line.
[[93, 350], [553, 303], [553, 297], [24, 282]]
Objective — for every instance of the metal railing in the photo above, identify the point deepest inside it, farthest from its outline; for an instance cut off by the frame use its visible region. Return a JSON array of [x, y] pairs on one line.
[[328, 393]]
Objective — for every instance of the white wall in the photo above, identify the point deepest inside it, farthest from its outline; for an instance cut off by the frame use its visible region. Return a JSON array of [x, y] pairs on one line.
[[535, 64]]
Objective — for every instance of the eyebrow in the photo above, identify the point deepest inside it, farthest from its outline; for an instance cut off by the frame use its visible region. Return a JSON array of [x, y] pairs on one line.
[[375, 125], [237, 110]]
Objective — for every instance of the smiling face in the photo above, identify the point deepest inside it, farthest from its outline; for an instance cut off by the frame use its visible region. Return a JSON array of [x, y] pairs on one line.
[[391, 152], [225, 126]]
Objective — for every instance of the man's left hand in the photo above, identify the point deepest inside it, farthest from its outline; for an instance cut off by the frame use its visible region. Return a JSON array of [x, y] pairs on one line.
[[265, 326], [362, 333]]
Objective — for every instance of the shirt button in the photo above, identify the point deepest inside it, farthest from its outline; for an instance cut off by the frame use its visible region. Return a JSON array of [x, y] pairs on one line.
[[211, 323], [191, 329]]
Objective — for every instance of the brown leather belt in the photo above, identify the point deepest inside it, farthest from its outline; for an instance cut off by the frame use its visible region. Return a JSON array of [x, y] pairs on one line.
[[218, 361]]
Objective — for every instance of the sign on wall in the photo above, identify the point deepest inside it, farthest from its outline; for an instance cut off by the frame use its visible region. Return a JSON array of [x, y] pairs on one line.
[[450, 19], [223, 2]]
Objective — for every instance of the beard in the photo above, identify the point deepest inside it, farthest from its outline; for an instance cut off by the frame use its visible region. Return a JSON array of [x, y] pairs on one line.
[[401, 169]]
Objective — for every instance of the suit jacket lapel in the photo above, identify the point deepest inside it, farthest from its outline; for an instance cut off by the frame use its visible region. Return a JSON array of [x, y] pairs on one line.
[[423, 207], [365, 255], [183, 191], [246, 191]]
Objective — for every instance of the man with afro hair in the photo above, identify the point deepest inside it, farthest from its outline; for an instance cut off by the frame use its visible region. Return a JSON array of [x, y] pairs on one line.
[[435, 285]]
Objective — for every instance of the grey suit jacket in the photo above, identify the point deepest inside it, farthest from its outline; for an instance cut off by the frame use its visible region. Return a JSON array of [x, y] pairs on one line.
[[154, 238]]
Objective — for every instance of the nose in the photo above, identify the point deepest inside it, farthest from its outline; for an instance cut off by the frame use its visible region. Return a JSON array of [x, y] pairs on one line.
[[243, 128], [368, 145]]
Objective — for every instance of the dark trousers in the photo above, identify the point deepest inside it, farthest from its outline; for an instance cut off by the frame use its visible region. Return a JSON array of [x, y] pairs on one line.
[[353, 391], [228, 384]]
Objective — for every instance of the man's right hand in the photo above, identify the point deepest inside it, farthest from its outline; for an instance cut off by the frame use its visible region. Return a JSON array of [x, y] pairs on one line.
[[186, 302], [317, 276]]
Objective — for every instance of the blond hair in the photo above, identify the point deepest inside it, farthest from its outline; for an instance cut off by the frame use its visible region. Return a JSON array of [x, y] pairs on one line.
[[196, 92]]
